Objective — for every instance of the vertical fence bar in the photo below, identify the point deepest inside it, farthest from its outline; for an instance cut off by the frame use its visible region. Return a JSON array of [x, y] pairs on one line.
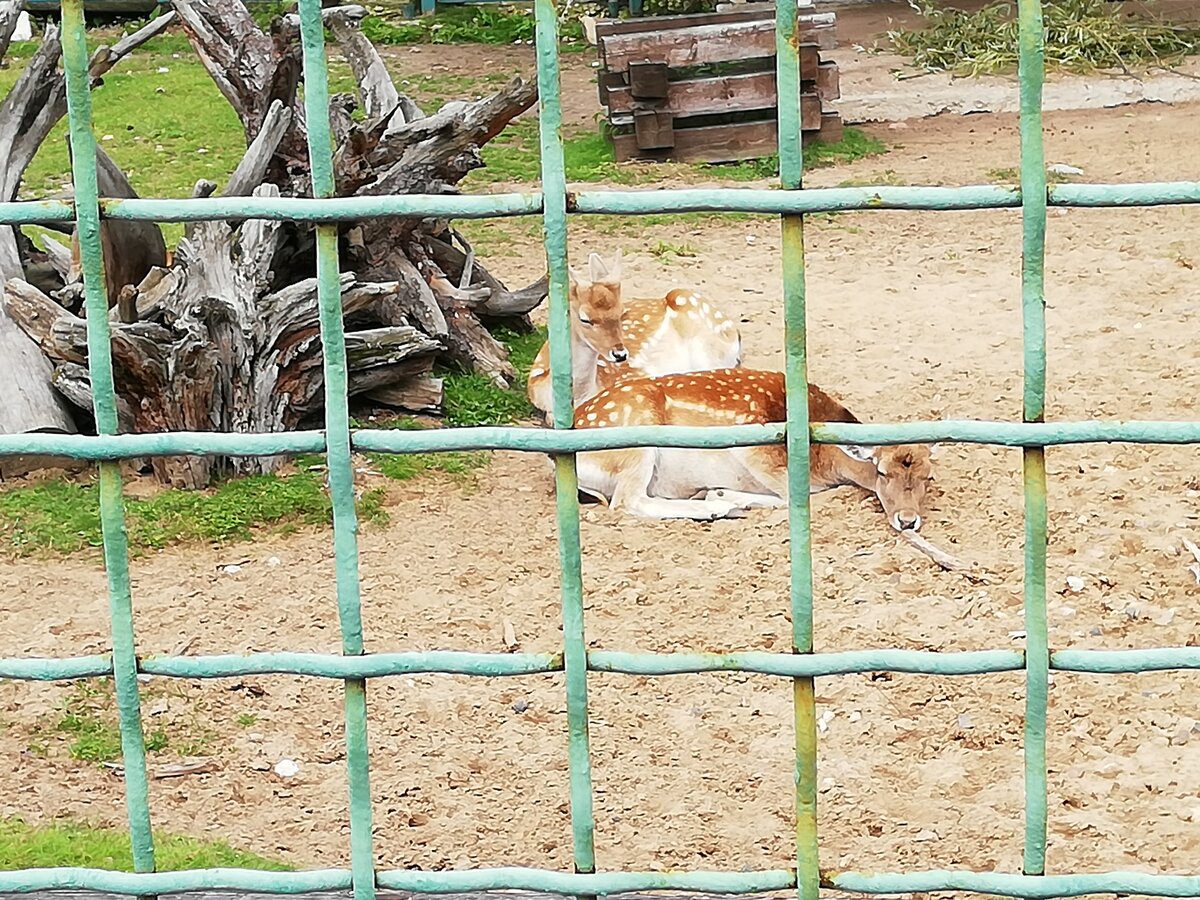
[[100, 370], [554, 190], [339, 460], [791, 171], [1033, 313]]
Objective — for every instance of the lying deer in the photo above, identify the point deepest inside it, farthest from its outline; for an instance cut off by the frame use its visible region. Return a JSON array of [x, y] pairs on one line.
[[673, 483], [681, 332]]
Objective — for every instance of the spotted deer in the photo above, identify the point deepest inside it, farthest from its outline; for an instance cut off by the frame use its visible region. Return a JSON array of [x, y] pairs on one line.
[[611, 339], [673, 483]]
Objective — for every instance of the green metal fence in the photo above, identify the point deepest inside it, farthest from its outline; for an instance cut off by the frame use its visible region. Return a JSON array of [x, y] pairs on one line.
[[355, 666]]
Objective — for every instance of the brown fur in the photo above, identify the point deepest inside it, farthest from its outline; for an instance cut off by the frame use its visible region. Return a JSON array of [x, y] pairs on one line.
[[610, 338], [897, 475]]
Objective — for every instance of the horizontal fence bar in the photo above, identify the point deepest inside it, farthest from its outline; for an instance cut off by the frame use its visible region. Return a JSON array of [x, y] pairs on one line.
[[56, 669], [1008, 434], [333, 209], [69, 878], [644, 202], [1004, 885], [809, 665], [36, 212], [171, 443], [1113, 662], [376, 665], [545, 440], [454, 662], [568, 883]]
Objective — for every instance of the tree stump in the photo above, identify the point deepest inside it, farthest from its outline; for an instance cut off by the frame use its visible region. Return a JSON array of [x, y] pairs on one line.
[[226, 338]]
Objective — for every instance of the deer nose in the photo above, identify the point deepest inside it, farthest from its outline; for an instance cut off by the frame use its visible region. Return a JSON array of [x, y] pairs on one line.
[[906, 521], [618, 354]]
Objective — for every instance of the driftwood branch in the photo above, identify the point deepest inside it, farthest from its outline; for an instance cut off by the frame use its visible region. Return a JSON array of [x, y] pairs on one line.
[[946, 560]]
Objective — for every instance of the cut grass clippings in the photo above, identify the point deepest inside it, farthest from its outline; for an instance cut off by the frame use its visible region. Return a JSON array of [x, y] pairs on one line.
[[1082, 36], [24, 846]]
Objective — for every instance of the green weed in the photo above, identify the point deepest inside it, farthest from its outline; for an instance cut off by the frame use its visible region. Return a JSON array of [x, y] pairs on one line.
[[24, 846], [472, 399], [854, 145]]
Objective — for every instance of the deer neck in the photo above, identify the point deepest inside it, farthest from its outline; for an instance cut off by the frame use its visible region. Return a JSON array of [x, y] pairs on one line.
[[855, 471], [584, 360]]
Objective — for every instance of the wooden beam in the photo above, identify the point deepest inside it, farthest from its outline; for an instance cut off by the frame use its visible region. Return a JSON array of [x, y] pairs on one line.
[[722, 143], [829, 82], [713, 96], [710, 43], [757, 13], [606, 27]]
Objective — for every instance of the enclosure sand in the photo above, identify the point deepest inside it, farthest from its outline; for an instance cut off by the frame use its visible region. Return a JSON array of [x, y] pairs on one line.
[[911, 316]]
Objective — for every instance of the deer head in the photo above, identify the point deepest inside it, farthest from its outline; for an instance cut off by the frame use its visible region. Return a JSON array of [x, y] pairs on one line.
[[596, 308], [901, 479]]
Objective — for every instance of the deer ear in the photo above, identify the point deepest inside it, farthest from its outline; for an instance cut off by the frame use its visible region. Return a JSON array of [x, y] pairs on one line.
[[933, 450], [614, 270], [596, 267], [574, 276], [854, 451]]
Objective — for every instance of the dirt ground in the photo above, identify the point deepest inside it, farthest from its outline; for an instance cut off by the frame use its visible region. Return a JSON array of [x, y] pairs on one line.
[[911, 316]]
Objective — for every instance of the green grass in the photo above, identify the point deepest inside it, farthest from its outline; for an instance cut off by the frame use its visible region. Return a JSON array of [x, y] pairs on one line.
[[90, 725], [24, 846], [64, 516], [61, 516], [472, 24], [588, 157], [854, 145], [472, 399]]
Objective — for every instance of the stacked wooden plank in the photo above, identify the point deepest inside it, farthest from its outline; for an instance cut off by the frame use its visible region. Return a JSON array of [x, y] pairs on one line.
[[701, 88]]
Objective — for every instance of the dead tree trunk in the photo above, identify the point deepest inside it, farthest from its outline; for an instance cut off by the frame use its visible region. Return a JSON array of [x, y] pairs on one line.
[[32, 108], [226, 338]]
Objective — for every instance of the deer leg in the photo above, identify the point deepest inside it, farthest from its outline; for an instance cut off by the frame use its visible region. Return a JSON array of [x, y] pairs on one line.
[[746, 500], [636, 470]]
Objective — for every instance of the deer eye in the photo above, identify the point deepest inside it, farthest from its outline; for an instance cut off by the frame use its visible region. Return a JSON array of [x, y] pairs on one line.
[[583, 317]]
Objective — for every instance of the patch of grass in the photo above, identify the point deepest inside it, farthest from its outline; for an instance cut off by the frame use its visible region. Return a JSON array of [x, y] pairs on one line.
[[514, 156], [469, 24], [854, 145], [245, 720], [886, 177], [90, 724], [1011, 175], [1081, 36], [24, 846], [472, 399], [64, 516], [668, 251]]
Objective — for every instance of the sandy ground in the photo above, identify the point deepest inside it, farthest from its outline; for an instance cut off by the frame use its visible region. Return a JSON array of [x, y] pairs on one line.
[[911, 316]]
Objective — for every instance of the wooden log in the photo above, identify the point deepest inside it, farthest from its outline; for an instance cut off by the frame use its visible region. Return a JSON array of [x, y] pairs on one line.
[[829, 83], [708, 44], [130, 248], [723, 143], [606, 27], [833, 129], [422, 394], [705, 96], [28, 402]]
